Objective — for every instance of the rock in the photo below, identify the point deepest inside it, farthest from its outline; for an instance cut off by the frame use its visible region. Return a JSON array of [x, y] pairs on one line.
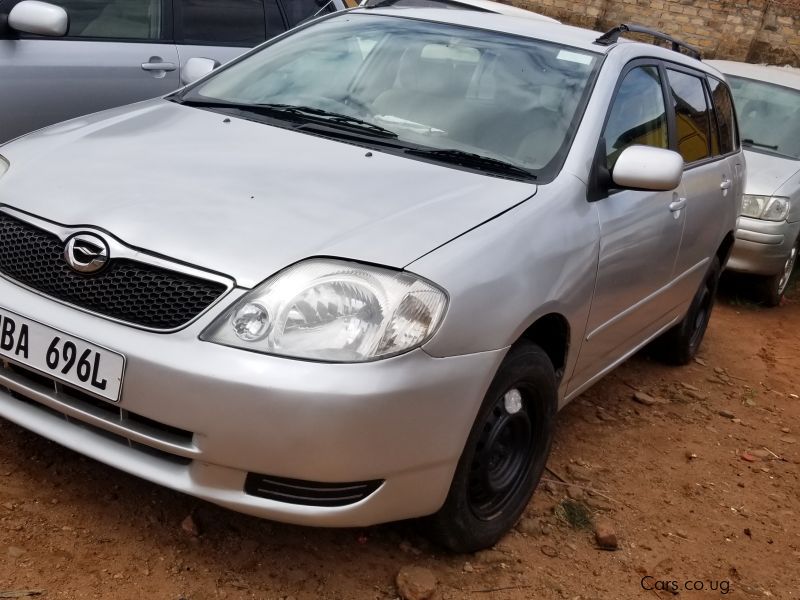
[[690, 455], [574, 492], [551, 488], [645, 399], [578, 473], [15, 552], [468, 568], [761, 454], [746, 456], [490, 556], [546, 529], [605, 534], [690, 387], [696, 395], [416, 583], [701, 362], [786, 430], [599, 504], [10, 505], [529, 526], [549, 551], [726, 413], [409, 548], [788, 440], [190, 526]]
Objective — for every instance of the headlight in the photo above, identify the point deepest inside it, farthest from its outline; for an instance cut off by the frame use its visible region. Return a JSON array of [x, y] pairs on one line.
[[769, 208], [335, 311], [4, 165]]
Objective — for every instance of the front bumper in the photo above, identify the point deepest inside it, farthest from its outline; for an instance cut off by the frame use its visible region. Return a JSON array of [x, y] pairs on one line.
[[762, 247], [198, 417]]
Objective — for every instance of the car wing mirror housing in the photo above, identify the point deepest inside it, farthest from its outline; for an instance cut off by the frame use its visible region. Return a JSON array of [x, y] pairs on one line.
[[197, 68], [648, 168], [39, 18]]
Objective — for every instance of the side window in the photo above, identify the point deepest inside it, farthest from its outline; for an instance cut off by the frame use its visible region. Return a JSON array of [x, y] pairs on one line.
[[119, 19], [726, 121], [638, 114], [224, 23], [300, 10], [692, 116]]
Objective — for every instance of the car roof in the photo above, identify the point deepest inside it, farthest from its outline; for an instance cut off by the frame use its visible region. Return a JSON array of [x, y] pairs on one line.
[[785, 76], [479, 5], [548, 31]]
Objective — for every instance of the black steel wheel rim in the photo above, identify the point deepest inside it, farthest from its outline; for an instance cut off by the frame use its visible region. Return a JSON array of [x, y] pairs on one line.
[[503, 456]]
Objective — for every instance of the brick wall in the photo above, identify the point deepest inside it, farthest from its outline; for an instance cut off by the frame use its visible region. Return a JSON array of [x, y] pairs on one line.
[[745, 30]]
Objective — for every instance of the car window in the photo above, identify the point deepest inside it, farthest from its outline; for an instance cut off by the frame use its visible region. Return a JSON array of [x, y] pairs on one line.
[[692, 115], [769, 116], [726, 121], [228, 22], [119, 19], [638, 114], [300, 10]]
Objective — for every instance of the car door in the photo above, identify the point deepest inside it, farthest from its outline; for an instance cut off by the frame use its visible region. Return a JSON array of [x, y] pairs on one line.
[[114, 53], [640, 234], [222, 30], [711, 176]]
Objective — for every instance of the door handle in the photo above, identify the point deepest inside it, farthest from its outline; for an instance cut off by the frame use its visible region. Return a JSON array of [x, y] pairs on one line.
[[159, 66], [725, 185], [678, 205]]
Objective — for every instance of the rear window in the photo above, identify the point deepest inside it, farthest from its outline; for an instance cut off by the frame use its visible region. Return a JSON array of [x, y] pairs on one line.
[[726, 120], [693, 116], [232, 22]]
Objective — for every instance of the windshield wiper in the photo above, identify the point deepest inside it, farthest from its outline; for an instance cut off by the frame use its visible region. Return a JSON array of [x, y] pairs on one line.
[[297, 114], [473, 161], [749, 142]]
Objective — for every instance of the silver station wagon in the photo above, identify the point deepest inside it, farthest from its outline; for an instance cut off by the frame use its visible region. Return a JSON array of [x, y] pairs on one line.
[[351, 277]]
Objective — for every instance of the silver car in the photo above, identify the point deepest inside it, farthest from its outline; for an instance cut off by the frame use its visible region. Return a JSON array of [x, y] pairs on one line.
[[65, 58], [350, 277], [768, 236]]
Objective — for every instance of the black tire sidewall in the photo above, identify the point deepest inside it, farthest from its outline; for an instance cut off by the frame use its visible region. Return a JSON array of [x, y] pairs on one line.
[[455, 525]]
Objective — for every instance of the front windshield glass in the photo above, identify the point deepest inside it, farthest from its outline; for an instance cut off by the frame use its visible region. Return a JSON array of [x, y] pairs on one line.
[[435, 86], [769, 116]]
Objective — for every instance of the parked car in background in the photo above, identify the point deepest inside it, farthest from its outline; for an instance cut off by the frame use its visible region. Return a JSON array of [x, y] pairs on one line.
[[351, 276], [768, 236], [66, 58]]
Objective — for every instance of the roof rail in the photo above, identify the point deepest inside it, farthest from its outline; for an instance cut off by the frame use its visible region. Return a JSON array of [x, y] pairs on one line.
[[612, 37]]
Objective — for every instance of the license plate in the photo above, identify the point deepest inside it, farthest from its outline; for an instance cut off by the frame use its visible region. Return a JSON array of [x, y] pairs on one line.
[[61, 356]]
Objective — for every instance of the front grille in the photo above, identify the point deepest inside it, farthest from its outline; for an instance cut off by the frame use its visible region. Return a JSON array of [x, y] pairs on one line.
[[308, 493], [127, 290]]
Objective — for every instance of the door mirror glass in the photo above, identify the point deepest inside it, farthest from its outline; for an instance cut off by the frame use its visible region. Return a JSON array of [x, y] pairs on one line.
[[39, 18], [648, 168], [197, 68]]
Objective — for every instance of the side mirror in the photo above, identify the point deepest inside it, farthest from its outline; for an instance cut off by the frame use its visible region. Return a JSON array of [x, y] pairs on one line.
[[197, 68], [648, 168], [39, 18]]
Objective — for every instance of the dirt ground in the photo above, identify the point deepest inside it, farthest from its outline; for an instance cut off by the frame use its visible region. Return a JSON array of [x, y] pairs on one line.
[[701, 488]]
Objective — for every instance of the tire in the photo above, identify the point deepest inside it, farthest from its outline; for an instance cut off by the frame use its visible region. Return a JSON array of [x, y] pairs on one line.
[[773, 288], [505, 454], [679, 345]]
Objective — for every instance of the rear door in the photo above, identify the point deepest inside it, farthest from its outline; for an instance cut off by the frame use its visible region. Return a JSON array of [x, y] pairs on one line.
[[115, 52], [712, 174], [222, 30]]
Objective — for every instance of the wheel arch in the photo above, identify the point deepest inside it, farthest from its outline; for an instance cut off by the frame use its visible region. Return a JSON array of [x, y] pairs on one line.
[[551, 332]]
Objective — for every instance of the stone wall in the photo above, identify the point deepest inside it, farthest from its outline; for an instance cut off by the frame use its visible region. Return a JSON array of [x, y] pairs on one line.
[[744, 30]]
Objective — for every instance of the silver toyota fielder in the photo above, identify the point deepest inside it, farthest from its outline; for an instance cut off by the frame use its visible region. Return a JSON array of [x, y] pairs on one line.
[[351, 277]]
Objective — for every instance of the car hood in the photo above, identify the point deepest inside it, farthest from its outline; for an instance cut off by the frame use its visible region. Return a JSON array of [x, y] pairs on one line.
[[243, 198], [767, 173]]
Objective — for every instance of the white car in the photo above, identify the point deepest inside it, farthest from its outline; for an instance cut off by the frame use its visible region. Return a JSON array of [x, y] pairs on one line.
[[767, 101]]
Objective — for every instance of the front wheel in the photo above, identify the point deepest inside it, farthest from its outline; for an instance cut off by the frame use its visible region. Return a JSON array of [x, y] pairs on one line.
[[679, 345], [504, 456], [774, 287]]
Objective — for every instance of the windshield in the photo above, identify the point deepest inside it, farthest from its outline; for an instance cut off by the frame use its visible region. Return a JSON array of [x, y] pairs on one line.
[[429, 85], [769, 116]]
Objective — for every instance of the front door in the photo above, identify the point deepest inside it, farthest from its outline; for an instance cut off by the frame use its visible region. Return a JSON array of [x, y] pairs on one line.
[[640, 236], [113, 54]]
